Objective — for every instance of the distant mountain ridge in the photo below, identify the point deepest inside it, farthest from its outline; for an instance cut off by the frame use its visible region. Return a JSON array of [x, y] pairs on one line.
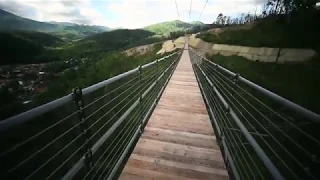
[[9, 22], [172, 26]]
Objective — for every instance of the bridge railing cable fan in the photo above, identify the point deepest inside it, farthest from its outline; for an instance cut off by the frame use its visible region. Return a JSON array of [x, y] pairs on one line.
[[87, 134], [262, 135]]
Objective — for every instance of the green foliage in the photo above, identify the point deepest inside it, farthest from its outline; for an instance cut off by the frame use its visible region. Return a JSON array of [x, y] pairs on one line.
[[268, 32], [283, 23], [33, 47], [118, 38], [171, 26], [296, 82], [94, 71], [197, 23]]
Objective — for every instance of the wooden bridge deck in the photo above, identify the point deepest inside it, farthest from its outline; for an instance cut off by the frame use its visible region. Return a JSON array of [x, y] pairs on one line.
[[178, 141]]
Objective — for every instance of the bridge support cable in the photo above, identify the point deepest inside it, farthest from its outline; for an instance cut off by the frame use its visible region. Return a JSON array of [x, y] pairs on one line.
[[266, 130], [56, 135], [220, 141], [84, 133], [273, 170], [256, 118], [175, 1], [235, 141], [33, 113], [121, 119], [190, 10], [273, 128], [154, 100], [232, 138]]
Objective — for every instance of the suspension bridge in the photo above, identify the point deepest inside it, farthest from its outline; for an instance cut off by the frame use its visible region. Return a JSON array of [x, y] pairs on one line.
[[178, 117]]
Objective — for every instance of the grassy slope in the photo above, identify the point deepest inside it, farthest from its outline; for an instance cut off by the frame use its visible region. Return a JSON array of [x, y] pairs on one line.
[[296, 82]]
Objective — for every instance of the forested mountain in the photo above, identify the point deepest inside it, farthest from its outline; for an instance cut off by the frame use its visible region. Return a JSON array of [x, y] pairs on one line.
[[64, 30], [31, 47], [23, 46], [10, 21], [198, 23], [172, 26], [118, 38]]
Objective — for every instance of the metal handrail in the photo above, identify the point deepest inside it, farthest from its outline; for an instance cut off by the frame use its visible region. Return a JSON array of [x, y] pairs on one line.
[[271, 167], [30, 114], [255, 136], [285, 102], [157, 71]]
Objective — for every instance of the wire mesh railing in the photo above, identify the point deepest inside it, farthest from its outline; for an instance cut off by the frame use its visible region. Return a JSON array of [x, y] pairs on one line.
[[87, 134], [262, 135]]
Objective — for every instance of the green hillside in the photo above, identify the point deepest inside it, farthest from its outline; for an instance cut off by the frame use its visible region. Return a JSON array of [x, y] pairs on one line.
[[10, 21], [198, 23], [65, 31], [32, 47], [111, 40], [23, 46], [170, 26]]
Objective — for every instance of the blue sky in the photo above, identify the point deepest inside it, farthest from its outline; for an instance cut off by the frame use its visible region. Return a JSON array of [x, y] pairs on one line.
[[127, 13]]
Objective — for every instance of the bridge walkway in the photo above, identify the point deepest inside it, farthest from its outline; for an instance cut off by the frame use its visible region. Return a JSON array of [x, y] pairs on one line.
[[178, 142]]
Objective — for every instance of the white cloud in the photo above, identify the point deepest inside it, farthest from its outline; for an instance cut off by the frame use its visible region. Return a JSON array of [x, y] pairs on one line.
[[76, 11], [127, 13], [139, 13]]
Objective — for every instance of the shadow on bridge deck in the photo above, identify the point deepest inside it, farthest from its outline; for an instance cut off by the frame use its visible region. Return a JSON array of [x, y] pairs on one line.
[[178, 141]]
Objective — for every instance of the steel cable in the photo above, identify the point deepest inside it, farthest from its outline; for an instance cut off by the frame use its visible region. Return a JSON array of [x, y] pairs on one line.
[[39, 151], [109, 146], [270, 134], [223, 128], [65, 118], [114, 114], [150, 99], [269, 108], [37, 135], [119, 95], [93, 177], [267, 120]]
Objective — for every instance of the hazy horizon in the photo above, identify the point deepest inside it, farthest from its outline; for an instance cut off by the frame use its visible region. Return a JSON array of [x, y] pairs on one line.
[[129, 14]]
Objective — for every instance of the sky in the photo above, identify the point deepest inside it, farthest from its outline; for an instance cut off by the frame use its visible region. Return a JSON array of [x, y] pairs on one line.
[[128, 13]]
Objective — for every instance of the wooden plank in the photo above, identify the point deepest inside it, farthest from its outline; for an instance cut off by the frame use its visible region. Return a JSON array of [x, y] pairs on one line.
[[177, 126], [128, 176], [174, 164], [147, 174], [181, 150], [175, 170], [180, 137], [187, 116], [188, 159], [178, 141]]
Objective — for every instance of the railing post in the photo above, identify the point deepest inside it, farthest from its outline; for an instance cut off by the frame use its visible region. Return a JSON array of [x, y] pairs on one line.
[[140, 99], [78, 100], [157, 81]]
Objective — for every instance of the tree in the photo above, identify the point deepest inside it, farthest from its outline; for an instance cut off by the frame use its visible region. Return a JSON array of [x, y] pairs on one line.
[[229, 21], [220, 19]]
